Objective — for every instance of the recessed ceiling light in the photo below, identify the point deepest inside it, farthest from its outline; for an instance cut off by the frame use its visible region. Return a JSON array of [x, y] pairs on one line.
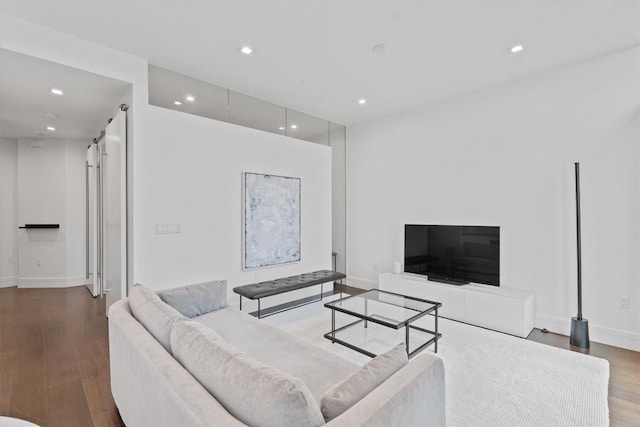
[[281, 128], [177, 102], [246, 50], [362, 101], [51, 128], [50, 115], [294, 126], [190, 98], [379, 48], [56, 91], [517, 48]]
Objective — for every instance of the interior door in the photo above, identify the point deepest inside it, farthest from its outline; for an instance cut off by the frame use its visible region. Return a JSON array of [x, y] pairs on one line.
[[113, 164], [92, 220]]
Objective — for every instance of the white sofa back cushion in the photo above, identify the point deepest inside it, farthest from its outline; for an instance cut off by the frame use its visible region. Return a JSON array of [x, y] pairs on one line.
[[197, 299], [255, 393], [156, 316], [352, 389]]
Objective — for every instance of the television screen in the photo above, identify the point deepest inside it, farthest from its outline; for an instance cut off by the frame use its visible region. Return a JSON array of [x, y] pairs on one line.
[[456, 254]]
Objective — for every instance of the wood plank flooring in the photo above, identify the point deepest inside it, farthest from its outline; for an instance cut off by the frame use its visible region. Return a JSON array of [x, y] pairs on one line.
[[54, 358], [54, 361]]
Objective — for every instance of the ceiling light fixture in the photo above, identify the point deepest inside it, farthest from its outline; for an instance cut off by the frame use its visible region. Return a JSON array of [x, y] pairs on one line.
[[281, 128], [246, 50], [51, 128], [294, 126], [56, 91], [362, 101], [190, 98], [517, 48], [177, 102]]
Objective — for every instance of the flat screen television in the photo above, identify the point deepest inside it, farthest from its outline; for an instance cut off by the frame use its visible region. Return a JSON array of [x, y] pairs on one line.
[[456, 254]]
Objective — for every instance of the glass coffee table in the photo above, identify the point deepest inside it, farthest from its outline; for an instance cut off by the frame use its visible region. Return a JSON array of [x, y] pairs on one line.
[[387, 309]]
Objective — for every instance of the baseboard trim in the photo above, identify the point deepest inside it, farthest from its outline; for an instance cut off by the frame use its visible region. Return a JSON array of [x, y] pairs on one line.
[[52, 282], [361, 283], [600, 334], [8, 282]]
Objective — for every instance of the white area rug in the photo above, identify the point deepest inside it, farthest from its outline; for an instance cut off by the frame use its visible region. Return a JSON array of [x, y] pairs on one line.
[[492, 379]]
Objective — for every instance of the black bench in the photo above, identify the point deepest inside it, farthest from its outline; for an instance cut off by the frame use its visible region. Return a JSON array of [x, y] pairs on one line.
[[270, 288]]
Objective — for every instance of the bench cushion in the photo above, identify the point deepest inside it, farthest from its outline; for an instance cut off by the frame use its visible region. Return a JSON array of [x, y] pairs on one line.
[[286, 284]]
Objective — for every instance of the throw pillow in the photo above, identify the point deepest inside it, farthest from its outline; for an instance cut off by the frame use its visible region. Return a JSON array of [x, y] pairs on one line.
[[195, 300], [352, 389], [257, 394], [156, 316]]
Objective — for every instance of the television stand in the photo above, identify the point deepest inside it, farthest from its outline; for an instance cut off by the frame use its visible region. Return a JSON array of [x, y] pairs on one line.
[[447, 280], [499, 308]]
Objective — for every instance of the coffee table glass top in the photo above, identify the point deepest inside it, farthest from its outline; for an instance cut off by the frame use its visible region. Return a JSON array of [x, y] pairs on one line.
[[387, 308]]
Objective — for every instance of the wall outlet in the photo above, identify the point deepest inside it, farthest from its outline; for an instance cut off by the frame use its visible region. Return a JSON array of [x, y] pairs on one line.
[[623, 302]]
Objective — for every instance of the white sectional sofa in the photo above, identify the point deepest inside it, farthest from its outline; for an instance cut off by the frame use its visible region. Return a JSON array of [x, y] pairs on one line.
[[240, 371]]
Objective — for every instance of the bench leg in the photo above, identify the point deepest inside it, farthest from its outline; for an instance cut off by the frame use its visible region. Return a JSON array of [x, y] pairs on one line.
[[321, 291], [240, 302], [258, 308]]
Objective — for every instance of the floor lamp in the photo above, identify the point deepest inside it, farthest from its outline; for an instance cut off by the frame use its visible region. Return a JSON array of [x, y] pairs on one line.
[[579, 326]]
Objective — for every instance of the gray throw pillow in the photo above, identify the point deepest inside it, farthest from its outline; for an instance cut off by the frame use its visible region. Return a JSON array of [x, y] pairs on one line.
[[197, 299], [256, 394], [156, 316], [352, 389]]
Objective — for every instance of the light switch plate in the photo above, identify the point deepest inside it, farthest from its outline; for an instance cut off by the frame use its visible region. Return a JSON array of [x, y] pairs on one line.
[[167, 228]]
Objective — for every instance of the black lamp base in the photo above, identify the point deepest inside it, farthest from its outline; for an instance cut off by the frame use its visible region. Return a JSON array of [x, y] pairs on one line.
[[579, 333]]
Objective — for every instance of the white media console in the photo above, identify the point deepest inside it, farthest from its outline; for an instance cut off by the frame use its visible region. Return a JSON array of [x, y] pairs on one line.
[[502, 309]]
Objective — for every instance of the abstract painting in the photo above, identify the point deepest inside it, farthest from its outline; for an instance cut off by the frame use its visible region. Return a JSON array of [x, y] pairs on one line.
[[271, 220]]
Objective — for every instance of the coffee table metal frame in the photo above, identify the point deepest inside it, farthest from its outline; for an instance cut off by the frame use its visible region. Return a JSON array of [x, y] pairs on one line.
[[384, 321]]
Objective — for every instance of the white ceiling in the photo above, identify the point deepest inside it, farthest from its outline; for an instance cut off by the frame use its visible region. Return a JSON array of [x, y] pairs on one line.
[[436, 48], [25, 96]]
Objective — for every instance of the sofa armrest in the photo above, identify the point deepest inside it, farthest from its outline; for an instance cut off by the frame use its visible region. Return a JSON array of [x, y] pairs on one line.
[[413, 396]]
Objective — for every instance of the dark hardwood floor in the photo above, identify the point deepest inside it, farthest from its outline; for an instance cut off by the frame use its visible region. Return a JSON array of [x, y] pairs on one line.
[[54, 358], [54, 361]]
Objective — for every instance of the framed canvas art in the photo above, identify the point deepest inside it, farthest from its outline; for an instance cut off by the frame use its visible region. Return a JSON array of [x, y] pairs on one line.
[[271, 220]]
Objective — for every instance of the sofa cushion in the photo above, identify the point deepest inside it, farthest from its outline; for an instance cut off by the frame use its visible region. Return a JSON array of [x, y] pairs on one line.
[[255, 393], [352, 389], [318, 368], [197, 299], [156, 316]]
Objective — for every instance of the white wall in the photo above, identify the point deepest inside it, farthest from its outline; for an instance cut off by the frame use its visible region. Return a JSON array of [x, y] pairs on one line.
[[193, 177], [42, 257], [504, 156], [51, 190], [8, 212], [42, 42], [187, 169]]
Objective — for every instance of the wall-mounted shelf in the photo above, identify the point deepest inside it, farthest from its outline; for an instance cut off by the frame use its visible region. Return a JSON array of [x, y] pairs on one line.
[[41, 226]]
